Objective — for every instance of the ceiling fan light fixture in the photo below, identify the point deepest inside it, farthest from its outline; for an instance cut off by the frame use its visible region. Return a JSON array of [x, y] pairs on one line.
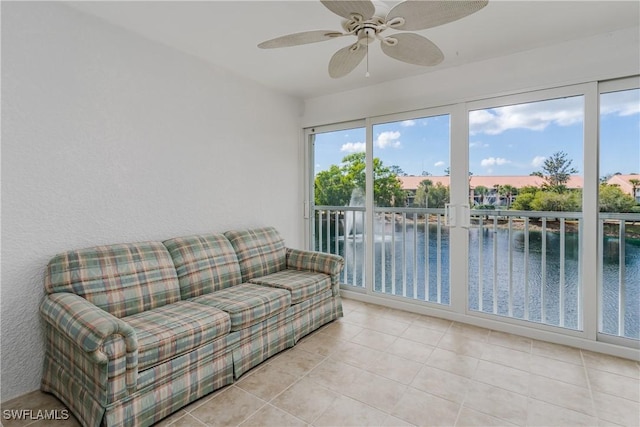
[[367, 20]]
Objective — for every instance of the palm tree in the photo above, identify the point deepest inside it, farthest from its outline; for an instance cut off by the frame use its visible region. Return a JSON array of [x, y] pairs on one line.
[[422, 193], [635, 184], [496, 188], [508, 191]]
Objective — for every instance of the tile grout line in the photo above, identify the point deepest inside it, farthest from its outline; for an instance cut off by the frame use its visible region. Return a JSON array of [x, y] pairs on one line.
[[586, 374]]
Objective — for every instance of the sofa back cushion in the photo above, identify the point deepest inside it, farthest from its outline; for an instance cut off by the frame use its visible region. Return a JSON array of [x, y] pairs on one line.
[[121, 279], [260, 251], [204, 264]]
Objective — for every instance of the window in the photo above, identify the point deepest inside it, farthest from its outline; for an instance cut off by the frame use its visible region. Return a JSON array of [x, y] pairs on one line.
[[411, 188], [520, 172], [338, 198], [619, 226], [526, 193]]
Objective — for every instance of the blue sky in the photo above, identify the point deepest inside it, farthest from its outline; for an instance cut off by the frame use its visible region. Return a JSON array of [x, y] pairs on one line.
[[510, 140]]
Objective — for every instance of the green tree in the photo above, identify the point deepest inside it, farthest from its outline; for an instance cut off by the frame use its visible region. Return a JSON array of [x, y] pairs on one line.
[[507, 191], [613, 199], [429, 195], [438, 196], [556, 171], [568, 201], [387, 188], [635, 184], [422, 193], [528, 189], [523, 201], [333, 187]]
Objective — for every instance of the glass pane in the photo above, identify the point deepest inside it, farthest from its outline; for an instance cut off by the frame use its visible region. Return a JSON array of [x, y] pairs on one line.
[[619, 217], [526, 182], [411, 187], [339, 212]]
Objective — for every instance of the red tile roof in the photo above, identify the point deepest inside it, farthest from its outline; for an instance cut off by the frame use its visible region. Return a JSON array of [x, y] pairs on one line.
[[624, 182], [412, 182]]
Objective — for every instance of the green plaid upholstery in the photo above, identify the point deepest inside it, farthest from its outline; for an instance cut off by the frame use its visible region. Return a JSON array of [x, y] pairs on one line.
[[204, 264], [260, 251], [321, 310], [89, 328], [208, 353], [121, 279], [192, 377], [134, 332], [302, 284], [318, 262], [72, 390], [247, 304], [174, 329], [261, 341]]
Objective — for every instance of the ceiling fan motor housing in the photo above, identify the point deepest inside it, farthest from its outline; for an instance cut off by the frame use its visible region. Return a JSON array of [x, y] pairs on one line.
[[366, 28]]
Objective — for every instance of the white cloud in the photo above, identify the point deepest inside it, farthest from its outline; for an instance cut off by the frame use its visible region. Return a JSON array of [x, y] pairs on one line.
[[533, 116], [623, 103], [478, 145], [493, 161], [353, 147], [538, 161], [438, 164], [388, 139], [408, 123]]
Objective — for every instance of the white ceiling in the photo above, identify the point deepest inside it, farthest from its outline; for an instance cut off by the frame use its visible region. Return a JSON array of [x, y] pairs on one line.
[[225, 33]]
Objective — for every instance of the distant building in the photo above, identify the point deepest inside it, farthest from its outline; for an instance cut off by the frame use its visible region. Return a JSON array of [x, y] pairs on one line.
[[625, 184], [492, 183]]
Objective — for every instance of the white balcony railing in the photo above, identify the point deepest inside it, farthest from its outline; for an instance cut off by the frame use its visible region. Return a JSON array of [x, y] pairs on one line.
[[526, 265], [523, 265], [619, 274]]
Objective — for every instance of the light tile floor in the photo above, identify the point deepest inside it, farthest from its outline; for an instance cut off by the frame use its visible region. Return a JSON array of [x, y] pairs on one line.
[[383, 367]]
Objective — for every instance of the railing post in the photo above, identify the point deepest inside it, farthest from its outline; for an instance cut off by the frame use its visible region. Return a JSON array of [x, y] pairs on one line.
[[621, 280]]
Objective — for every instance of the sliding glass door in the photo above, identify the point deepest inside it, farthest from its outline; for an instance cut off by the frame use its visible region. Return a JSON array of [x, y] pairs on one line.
[[521, 209], [526, 189], [411, 186], [619, 211], [337, 196]]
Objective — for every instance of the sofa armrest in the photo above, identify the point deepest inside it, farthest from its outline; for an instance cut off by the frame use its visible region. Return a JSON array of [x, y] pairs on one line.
[[318, 262], [89, 327]]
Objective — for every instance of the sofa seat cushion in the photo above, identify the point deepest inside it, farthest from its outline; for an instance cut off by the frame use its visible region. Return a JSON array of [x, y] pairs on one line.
[[169, 331], [247, 304], [302, 284]]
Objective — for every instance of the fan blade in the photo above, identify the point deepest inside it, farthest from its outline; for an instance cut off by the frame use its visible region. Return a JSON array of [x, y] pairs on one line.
[[413, 49], [300, 38], [345, 60], [347, 9], [420, 14]]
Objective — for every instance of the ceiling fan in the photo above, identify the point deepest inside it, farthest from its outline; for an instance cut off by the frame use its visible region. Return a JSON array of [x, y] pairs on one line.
[[368, 20]]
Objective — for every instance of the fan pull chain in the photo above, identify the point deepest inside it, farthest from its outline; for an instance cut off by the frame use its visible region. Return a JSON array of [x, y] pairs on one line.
[[367, 73]]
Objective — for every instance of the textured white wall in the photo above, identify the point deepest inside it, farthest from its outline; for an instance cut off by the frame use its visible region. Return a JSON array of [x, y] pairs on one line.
[[606, 56], [108, 138]]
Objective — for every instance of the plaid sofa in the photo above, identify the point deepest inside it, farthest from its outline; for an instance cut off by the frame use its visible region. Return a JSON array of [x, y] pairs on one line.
[[133, 332]]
